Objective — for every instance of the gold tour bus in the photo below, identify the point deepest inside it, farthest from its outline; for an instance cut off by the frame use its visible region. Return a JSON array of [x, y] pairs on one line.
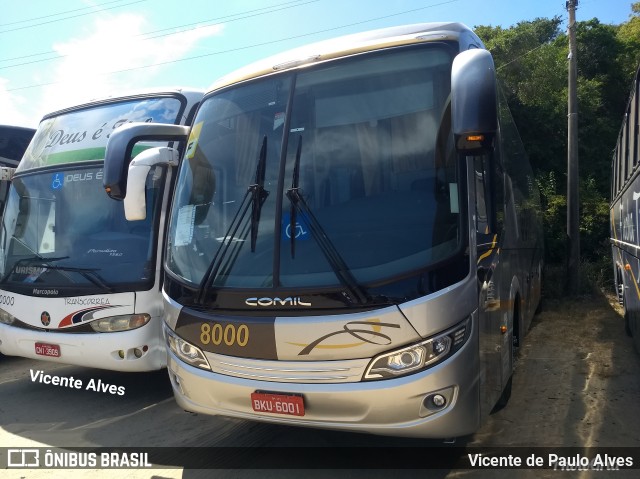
[[355, 237]]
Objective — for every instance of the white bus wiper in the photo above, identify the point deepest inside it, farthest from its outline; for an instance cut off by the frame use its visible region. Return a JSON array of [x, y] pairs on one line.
[[35, 257], [254, 198], [335, 260], [90, 274]]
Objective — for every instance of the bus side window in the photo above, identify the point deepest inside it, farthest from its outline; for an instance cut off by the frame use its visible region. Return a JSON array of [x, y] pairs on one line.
[[482, 201]]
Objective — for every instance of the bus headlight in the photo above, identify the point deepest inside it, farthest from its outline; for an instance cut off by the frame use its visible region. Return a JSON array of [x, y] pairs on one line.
[[120, 323], [419, 356], [189, 353], [6, 318]]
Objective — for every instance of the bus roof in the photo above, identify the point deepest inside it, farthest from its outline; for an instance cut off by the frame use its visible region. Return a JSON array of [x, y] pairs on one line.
[[352, 44]]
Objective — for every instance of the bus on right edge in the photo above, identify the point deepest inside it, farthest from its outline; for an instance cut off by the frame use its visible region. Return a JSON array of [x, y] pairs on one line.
[[623, 212], [355, 238]]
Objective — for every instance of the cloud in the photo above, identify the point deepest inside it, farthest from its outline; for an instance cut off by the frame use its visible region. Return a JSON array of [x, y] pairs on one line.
[[12, 107], [116, 44]]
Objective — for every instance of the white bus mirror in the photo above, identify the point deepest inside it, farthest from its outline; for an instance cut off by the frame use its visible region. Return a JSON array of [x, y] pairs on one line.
[[474, 99], [121, 144], [135, 206]]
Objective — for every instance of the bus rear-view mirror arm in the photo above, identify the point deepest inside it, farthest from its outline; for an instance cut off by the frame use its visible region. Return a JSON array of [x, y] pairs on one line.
[[135, 206], [474, 102]]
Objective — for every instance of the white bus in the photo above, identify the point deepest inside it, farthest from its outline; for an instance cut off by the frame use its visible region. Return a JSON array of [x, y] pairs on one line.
[[78, 283], [355, 237]]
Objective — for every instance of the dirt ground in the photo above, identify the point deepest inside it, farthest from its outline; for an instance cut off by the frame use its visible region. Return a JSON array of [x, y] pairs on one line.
[[576, 383]]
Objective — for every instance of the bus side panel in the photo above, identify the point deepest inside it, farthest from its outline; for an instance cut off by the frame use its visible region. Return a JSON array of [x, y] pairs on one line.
[[624, 213]]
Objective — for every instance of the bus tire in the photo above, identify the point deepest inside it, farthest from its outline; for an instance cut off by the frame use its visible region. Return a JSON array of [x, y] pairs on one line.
[[515, 347], [503, 400]]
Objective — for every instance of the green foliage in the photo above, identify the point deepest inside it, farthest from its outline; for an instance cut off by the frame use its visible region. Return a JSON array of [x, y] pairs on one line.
[[596, 275], [554, 217], [531, 61], [594, 222], [629, 36]]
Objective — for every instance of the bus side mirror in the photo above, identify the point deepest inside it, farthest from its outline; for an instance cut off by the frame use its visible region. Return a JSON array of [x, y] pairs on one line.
[[474, 102], [135, 206], [120, 149]]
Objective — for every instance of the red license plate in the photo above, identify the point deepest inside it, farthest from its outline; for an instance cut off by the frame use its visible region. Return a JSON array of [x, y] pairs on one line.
[[44, 349], [290, 404]]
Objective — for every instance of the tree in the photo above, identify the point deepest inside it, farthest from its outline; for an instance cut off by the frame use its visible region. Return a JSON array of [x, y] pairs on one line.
[[531, 61]]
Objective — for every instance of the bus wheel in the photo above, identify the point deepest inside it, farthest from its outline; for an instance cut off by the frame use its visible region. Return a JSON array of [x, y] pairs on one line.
[[503, 400], [506, 392], [627, 325], [515, 346], [621, 293]]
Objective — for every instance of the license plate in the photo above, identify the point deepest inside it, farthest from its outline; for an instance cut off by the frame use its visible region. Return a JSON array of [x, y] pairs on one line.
[[44, 349], [290, 404]]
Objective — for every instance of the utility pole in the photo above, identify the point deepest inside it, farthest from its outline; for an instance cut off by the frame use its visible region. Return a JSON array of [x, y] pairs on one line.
[[573, 225]]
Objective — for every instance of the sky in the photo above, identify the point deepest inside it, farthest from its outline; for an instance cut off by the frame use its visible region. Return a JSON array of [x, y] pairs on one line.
[[55, 55]]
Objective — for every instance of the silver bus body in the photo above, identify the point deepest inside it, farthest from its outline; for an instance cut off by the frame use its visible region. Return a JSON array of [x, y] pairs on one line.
[[355, 240]]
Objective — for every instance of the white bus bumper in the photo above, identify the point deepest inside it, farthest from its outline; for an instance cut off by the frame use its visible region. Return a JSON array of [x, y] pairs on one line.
[[113, 351]]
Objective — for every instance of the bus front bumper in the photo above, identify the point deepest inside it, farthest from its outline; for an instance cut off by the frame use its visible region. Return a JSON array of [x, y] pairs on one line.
[[393, 407]]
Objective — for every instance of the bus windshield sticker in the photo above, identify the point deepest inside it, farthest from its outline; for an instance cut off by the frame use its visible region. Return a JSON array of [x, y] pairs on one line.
[[57, 181], [184, 227], [278, 120], [301, 228], [192, 145], [453, 197]]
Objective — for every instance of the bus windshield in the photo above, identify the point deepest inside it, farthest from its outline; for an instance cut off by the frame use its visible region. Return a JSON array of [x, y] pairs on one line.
[[336, 174], [60, 231]]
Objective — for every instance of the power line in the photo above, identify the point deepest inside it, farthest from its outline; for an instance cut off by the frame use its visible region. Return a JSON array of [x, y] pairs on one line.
[[246, 47], [202, 24], [71, 16], [56, 14], [521, 56]]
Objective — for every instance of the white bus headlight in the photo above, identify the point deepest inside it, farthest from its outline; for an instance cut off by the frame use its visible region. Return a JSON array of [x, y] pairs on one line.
[[419, 356], [120, 323], [6, 318], [187, 352]]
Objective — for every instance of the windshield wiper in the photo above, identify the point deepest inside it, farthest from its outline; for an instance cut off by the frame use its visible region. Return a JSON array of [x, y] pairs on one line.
[[258, 193], [330, 252], [35, 257], [90, 274], [294, 187], [254, 198]]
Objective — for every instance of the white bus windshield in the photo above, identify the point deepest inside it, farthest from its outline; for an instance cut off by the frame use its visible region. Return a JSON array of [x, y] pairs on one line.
[[349, 178], [82, 135], [59, 230]]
